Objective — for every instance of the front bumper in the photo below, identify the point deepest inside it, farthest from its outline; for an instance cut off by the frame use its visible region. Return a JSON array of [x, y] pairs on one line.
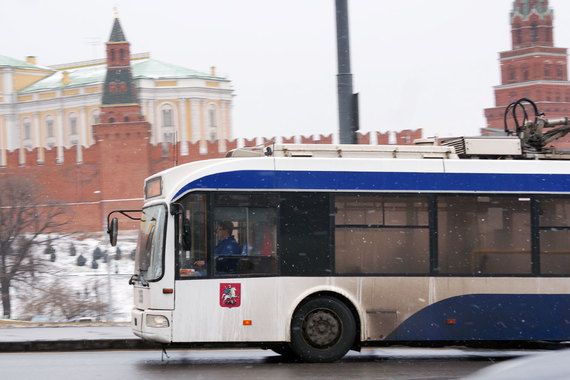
[[140, 329]]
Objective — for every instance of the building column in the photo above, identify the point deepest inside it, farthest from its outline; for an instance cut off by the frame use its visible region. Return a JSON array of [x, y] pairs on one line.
[[59, 136], [182, 127], [203, 134], [203, 119], [38, 137], [21, 148], [152, 121], [8, 81], [83, 126], [222, 147], [82, 134], [12, 131], [228, 119], [3, 146]]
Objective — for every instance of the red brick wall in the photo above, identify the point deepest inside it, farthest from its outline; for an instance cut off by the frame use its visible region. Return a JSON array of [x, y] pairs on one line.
[[111, 173]]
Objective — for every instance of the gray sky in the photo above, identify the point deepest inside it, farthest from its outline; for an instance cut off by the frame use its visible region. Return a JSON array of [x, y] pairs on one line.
[[416, 63]]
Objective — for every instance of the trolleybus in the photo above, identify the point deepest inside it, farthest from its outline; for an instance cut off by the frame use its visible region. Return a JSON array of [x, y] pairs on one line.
[[314, 250]]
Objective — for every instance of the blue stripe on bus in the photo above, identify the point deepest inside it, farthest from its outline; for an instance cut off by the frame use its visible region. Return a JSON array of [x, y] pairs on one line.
[[490, 317], [381, 181]]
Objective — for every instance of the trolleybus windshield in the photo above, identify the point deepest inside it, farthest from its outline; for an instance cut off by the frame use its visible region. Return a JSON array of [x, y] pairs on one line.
[[150, 247]]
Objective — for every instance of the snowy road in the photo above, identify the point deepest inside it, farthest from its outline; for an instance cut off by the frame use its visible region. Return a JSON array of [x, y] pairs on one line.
[[238, 364]]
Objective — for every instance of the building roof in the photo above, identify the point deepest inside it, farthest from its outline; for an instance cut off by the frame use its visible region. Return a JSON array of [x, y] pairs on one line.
[[117, 34], [91, 75], [16, 63]]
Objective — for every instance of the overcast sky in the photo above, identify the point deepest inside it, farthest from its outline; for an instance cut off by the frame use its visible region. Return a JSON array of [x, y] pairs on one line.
[[416, 63]]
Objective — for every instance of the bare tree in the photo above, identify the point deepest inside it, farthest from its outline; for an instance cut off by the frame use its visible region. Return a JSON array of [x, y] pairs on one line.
[[24, 222], [61, 301]]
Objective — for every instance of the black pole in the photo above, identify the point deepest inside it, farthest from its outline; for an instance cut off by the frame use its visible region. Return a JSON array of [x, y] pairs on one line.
[[347, 134]]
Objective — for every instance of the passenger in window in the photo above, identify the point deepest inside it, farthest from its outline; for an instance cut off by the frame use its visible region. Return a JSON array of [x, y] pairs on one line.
[[227, 244]]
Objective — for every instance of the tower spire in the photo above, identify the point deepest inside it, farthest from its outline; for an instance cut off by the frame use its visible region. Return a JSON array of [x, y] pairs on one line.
[[117, 34], [120, 101]]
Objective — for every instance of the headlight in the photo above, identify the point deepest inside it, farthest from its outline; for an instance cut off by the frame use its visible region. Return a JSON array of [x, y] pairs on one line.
[[156, 321]]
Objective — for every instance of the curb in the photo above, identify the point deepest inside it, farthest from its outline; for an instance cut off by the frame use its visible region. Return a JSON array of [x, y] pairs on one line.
[[78, 345]]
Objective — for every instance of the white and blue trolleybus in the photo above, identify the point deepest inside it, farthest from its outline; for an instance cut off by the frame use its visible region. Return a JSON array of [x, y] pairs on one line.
[[314, 250]]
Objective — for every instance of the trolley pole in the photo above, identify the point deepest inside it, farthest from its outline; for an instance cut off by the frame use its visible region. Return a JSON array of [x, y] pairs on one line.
[[347, 101]]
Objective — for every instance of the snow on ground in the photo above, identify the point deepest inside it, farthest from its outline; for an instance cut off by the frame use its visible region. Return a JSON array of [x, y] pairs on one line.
[[113, 275]]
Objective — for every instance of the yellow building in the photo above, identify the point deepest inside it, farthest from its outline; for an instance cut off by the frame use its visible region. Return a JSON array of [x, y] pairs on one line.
[[55, 107]]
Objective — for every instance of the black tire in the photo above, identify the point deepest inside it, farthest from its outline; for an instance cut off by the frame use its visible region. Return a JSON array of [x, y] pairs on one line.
[[323, 329]]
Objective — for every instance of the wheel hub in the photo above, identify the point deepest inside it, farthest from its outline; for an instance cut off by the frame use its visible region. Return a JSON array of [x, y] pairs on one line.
[[322, 328]]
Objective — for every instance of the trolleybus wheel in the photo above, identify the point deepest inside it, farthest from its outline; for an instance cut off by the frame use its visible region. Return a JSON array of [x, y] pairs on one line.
[[322, 330]]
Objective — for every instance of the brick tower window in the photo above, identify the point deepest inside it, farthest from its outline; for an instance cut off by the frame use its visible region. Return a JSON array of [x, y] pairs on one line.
[[534, 33], [518, 34], [512, 74]]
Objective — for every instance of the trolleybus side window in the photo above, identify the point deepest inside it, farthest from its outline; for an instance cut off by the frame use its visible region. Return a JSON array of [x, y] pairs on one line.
[[381, 234], [193, 253], [244, 234], [554, 235], [305, 234], [484, 235]]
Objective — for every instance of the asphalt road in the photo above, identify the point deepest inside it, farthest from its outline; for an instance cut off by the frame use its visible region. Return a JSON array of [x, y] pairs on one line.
[[241, 364]]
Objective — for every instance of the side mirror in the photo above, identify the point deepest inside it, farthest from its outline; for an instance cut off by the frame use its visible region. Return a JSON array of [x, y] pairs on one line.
[[113, 231]]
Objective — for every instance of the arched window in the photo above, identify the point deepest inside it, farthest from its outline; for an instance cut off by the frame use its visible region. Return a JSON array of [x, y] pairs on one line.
[[559, 72], [547, 71], [73, 138], [50, 132], [72, 124], [27, 129], [512, 73], [167, 123], [212, 123], [112, 55], [122, 54]]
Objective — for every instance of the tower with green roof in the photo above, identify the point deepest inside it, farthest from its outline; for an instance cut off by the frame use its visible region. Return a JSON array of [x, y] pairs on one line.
[[119, 101], [55, 108]]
